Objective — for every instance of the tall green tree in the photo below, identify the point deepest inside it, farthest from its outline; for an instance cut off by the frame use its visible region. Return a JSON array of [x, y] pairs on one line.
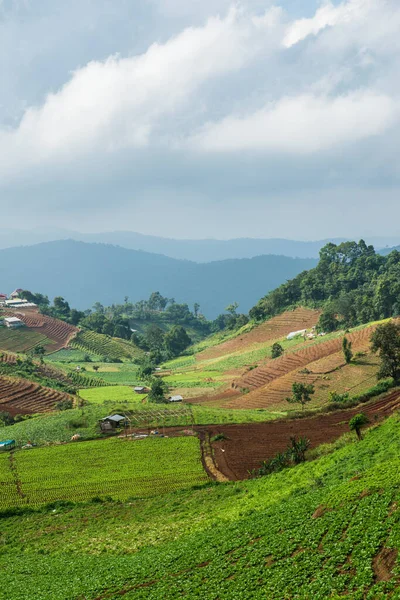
[[176, 340], [385, 341], [158, 391], [301, 394], [347, 351]]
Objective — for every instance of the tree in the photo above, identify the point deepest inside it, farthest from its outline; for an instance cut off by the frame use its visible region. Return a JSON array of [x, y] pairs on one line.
[[276, 350], [176, 340], [157, 301], [158, 391], [61, 306], [357, 422], [154, 338], [232, 308], [302, 393], [386, 342], [327, 322], [96, 368], [347, 351], [196, 308]]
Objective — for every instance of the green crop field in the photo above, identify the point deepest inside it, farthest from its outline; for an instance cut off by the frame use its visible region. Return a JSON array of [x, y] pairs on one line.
[[329, 528], [117, 393], [103, 345], [118, 468], [21, 340], [71, 355]]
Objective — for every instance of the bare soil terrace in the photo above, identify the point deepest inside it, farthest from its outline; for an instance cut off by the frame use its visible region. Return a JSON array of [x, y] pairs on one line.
[[247, 446]]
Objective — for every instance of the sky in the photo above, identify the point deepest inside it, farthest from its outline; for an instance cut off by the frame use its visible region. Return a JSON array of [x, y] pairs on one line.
[[207, 118]]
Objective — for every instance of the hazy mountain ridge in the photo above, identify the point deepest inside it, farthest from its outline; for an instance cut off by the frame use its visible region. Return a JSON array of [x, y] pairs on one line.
[[85, 273], [202, 250]]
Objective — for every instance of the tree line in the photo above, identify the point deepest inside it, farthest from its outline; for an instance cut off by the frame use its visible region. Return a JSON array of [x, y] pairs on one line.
[[352, 282]]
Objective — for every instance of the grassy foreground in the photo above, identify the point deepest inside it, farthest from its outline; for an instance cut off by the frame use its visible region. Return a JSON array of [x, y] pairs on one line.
[[326, 529]]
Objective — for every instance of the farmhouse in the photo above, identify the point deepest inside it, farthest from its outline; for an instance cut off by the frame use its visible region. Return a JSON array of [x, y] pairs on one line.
[[16, 293], [13, 322], [177, 398], [111, 422]]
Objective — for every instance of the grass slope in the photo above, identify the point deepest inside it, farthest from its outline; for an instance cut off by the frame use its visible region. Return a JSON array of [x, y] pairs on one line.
[[21, 340], [326, 529]]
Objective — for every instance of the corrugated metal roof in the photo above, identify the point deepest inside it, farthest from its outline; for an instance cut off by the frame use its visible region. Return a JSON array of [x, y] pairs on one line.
[[114, 418]]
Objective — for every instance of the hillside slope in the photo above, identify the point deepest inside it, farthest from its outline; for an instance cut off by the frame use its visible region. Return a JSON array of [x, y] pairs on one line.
[[325, 529], [87, 273]]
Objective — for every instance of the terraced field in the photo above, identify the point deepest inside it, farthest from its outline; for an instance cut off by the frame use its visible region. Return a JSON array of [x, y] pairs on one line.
[[273, 329], [271, 382], [21, 340], [19, 396], [103, 345], [245, 446], [54, 334]]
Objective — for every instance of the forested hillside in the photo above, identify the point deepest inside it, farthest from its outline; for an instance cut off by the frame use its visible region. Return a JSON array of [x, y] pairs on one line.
[[351, 281], [89, 273]]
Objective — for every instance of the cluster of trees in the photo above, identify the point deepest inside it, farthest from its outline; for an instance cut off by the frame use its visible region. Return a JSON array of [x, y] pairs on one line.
[[353, 283], [60, 309]]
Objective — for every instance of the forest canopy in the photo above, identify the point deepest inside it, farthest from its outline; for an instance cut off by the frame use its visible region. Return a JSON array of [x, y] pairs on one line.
[[351, 282]]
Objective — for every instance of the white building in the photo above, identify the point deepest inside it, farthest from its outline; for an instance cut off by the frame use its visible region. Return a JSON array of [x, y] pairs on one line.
[[13, 322], [175, 398]]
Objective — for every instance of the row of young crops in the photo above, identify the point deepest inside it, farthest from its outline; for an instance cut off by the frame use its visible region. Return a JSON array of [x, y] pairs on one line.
[[21, 340], [103, 345], [117, 468]]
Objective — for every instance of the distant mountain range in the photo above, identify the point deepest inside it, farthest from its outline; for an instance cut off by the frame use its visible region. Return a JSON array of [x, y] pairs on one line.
[[205, 250], [85, 273]]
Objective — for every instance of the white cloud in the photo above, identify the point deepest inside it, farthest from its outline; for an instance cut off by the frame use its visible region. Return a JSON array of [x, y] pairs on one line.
[[302, 125], [326, 16], [117, 103]]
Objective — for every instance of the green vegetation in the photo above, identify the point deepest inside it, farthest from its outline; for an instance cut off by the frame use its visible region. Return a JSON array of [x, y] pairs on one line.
[[386, 342], [318, 530], [121, 468], [103, 345], [276, 350], [350, 280], [21, 340], [357, 422], [118, 393], [347, 351], [301, 393]]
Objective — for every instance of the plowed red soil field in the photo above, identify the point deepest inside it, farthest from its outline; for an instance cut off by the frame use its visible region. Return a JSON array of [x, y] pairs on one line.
[[59, 332], [275, 328], [259, 381], [21, 397], [247, 446]]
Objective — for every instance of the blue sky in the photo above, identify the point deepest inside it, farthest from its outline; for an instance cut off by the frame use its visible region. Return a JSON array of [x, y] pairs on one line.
[[202, 118]]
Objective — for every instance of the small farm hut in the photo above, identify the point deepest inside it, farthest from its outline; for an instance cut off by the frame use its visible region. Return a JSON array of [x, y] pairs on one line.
[[140, 389], [7, 445], [13, 322], [112, 422], [177, 398]]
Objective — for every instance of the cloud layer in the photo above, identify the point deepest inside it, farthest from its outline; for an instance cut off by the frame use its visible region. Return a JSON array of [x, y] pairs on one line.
[[168, 110]]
